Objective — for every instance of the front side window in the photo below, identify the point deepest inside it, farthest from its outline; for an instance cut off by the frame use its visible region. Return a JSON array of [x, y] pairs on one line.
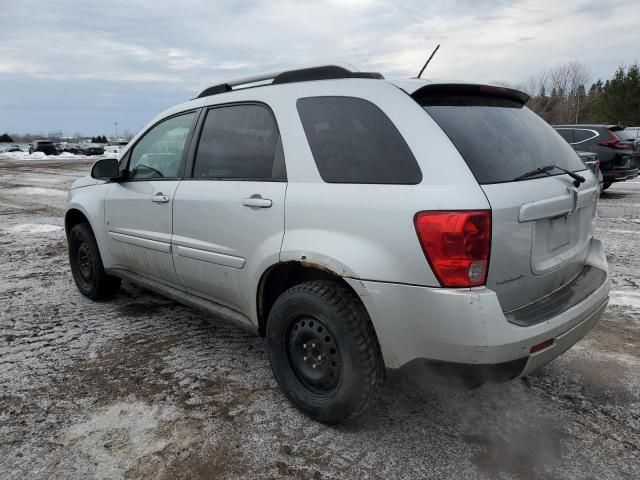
[[239, 142], [353, 141], [159, 153]]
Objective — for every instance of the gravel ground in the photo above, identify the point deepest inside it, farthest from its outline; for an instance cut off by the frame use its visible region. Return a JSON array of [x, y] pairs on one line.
[[141, 387]]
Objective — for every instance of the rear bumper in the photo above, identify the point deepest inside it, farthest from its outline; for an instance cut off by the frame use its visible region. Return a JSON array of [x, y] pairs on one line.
[[468, 326], [620, 175]]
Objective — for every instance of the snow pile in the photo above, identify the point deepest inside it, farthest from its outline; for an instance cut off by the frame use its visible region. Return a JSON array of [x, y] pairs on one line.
[[113, 150], [110, 152], [625, 298]]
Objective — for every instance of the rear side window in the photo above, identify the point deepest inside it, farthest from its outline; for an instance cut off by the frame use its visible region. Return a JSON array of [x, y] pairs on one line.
[[353, 141], [500, 139], [566, 133], [240, 142], [581, 135]]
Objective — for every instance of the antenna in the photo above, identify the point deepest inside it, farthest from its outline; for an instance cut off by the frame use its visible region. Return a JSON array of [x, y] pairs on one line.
[[427, 63]]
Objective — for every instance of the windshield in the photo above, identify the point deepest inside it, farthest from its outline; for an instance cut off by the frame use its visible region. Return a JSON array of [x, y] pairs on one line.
[[499, 138]]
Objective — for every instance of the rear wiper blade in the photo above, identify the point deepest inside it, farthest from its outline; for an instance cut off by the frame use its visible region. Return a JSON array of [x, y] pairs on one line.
[[532, 173], [578, 179]]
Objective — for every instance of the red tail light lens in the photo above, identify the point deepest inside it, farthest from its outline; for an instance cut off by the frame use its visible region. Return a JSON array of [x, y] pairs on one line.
[[541, 346], [457, 245], [615, 142]]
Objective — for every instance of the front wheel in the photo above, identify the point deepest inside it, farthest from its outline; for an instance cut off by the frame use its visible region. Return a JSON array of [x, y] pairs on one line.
[[86, 265], [324, 352]]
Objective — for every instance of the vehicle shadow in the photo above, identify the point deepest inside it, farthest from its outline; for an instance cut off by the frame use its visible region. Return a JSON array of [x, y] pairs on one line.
[[608, 194]]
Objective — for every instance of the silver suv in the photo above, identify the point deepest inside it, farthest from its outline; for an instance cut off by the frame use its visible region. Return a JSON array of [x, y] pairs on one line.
[[357, 224]]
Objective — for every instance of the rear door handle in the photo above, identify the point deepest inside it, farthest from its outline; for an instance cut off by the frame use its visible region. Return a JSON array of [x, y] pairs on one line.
[[257, 201], [160, 198]]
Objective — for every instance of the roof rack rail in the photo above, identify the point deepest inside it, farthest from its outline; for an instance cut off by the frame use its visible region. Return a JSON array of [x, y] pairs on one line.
[[320, 72]]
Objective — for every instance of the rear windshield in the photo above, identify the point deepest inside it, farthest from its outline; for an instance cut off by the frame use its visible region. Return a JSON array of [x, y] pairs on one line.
[[628, 134], [499, 138]]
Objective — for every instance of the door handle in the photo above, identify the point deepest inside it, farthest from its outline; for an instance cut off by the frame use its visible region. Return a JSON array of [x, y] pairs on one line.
[[160, 198], [257, 201]]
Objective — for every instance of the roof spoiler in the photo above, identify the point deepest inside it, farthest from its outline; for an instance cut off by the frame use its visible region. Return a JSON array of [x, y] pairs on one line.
[[439, 90]]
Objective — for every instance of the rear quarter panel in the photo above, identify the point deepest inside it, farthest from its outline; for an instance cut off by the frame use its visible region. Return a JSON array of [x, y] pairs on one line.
[[367, 231]]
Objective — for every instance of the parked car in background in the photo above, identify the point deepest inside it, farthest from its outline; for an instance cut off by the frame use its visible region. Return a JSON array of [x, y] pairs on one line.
[[69, 148], [90, 149], [591, 160], [45, 146], [308, 210], [618, 158], [631, 134], [10, 148]]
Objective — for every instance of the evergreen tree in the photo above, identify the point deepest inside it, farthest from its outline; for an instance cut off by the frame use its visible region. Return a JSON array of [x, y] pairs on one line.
[[5, 138], [621, 97]]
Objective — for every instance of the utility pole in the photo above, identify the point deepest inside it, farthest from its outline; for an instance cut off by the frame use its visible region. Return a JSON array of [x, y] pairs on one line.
[[116, 124]]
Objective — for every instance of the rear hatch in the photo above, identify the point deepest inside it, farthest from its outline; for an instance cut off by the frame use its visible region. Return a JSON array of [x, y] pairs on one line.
[[542, 223]]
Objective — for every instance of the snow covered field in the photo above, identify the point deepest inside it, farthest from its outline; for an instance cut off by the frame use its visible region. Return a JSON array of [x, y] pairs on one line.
[[141, 387], [109, 152]]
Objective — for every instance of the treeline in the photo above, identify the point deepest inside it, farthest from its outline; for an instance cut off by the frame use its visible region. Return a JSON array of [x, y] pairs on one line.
[[565, 94], [5, 138], [99, 139]]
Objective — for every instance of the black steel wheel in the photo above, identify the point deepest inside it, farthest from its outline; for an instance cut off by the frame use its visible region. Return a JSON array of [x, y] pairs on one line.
[[86, 265], [314, 355], [323, 351]]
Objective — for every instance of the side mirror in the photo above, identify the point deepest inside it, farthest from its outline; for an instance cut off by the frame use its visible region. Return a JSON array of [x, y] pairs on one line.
[[106, 169]]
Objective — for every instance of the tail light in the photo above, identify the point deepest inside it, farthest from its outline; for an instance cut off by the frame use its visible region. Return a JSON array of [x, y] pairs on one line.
[[615, 142], [457, 245]]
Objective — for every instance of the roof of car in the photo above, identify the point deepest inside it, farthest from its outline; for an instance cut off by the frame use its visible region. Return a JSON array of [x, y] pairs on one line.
[[341, 71]]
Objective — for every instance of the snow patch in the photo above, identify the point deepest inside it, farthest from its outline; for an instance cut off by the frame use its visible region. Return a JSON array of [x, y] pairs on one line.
[[34, 228], [115, 437], [625, 298], [36, 191]]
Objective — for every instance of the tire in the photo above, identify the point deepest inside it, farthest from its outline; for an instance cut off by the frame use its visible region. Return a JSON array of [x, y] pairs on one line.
[[605, 185], [86, 265], [322, 323]]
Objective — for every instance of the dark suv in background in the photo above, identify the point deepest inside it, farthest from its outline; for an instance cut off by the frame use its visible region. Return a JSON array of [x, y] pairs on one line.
[[45, 146], [618, 159]]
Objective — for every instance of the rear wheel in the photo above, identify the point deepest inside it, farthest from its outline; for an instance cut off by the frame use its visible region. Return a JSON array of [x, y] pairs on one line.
[[606, 185], [86, 265], [323, 351]]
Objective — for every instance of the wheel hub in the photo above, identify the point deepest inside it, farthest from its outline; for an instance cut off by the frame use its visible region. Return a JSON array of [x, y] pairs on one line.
[[85, 264], [314, 355]]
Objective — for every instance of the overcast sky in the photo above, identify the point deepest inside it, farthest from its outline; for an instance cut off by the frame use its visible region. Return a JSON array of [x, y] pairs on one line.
[[80, 66]]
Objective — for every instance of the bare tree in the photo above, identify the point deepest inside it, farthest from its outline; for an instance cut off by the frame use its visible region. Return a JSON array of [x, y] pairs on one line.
[[566, 79]]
